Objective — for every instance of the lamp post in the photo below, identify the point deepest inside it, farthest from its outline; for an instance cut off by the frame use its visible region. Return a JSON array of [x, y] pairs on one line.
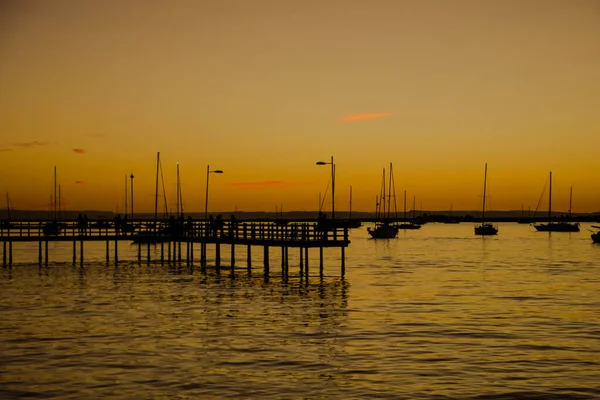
[[332, 184], [208, 171], [131, 176]]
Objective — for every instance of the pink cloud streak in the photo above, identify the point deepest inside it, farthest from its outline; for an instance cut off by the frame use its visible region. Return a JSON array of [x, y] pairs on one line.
[[356, 117]]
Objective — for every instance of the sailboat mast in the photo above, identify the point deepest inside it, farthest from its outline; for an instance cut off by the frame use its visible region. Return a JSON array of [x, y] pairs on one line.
[[382, 198], [389, 206], [570, 201], [55, 194], [58, 213], [350, 209], [156, 190], [178, 192], [550, 200], [405, 206], [125, 194], [484, 188], [7, 207]]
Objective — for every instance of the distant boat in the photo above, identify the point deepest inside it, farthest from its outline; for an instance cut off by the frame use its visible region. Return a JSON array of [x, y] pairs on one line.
[[485, 229], [384, 229], [451, 219], [279, 220], [405, 224], [559, 226], [596, 235], [523, 219]]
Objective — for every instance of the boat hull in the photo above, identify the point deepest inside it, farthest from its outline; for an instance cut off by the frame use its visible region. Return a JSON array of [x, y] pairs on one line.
[[486, 230], [596, 237], [558, 227], [383, 232]]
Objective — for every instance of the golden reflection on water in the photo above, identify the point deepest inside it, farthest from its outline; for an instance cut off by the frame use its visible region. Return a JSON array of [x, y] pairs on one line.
[[433, 312]]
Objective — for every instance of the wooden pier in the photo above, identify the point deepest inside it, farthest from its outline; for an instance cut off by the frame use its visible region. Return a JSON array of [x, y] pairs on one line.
[[172, 235]]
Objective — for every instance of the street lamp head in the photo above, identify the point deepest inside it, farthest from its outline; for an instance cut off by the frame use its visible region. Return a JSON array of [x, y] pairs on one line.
[[217, 171], [322, 163]]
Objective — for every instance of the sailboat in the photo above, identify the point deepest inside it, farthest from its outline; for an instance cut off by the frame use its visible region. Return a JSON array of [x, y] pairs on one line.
[[485, 229], [157, 231], [405, 224], [384, 229], [53, 227], [279, 220], [559, 226]]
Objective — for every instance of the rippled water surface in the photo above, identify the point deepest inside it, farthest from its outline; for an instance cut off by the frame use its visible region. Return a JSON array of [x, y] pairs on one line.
[[434, 314]]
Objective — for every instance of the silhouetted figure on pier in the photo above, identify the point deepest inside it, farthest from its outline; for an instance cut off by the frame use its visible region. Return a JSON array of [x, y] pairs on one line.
[[125, 226], [219, 225], [232, 225], [81, 224], [118, 223]]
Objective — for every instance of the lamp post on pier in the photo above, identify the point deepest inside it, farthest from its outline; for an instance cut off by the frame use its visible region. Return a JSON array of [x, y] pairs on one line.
[[131, 176], [332, 184], [208, 172]]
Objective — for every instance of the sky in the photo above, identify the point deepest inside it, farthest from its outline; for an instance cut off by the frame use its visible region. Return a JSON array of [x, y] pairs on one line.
[[264, 89]]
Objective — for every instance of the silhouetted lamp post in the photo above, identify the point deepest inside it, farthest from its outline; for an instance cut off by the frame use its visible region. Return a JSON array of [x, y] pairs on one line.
[[131, 176], [332, 184], [208, 172]]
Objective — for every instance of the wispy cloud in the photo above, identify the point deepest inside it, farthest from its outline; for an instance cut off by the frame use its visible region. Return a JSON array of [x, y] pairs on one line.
[[3, 148], [34, 143], [263, 183], [79, 182], [356, 117], [79, 151]]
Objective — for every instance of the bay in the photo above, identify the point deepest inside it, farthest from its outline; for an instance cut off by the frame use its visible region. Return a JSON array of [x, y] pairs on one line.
[[437, 313]]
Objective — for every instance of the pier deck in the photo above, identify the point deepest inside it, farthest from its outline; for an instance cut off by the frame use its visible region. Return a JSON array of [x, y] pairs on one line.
[[302, 235]]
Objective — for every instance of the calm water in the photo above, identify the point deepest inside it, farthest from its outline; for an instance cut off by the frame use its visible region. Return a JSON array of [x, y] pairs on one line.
[[434, 314]]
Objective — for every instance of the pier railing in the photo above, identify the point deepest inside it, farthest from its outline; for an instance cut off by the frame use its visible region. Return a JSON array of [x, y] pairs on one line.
[[175, 230]]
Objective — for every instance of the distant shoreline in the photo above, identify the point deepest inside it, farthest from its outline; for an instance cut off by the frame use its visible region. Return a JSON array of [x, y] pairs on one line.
[[309, 216]]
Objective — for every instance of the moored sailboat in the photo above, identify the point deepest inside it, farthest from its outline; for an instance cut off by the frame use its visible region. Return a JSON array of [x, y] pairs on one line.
[[407, 224], [558, 226], [384, 228], [485, 229]]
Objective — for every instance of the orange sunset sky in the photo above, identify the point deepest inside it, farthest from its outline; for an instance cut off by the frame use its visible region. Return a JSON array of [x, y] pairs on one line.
[[263, 89]]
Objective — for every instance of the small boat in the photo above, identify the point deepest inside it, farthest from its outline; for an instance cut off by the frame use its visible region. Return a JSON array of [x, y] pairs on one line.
[[596, 235], [384, 228], [558, 226], [408, 224], [485, 229]]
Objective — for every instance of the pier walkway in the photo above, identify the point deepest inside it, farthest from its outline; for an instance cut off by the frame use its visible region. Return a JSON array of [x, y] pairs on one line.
[[172, 234]]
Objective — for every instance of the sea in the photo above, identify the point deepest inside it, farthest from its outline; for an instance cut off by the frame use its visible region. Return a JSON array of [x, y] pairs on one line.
[[436, 313]]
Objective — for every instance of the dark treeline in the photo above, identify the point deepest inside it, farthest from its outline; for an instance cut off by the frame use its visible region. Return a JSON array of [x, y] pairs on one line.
[[419, 216]]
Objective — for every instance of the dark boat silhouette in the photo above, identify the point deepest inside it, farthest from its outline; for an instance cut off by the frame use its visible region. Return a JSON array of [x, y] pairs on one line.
[[485, 229], [558, 226]]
